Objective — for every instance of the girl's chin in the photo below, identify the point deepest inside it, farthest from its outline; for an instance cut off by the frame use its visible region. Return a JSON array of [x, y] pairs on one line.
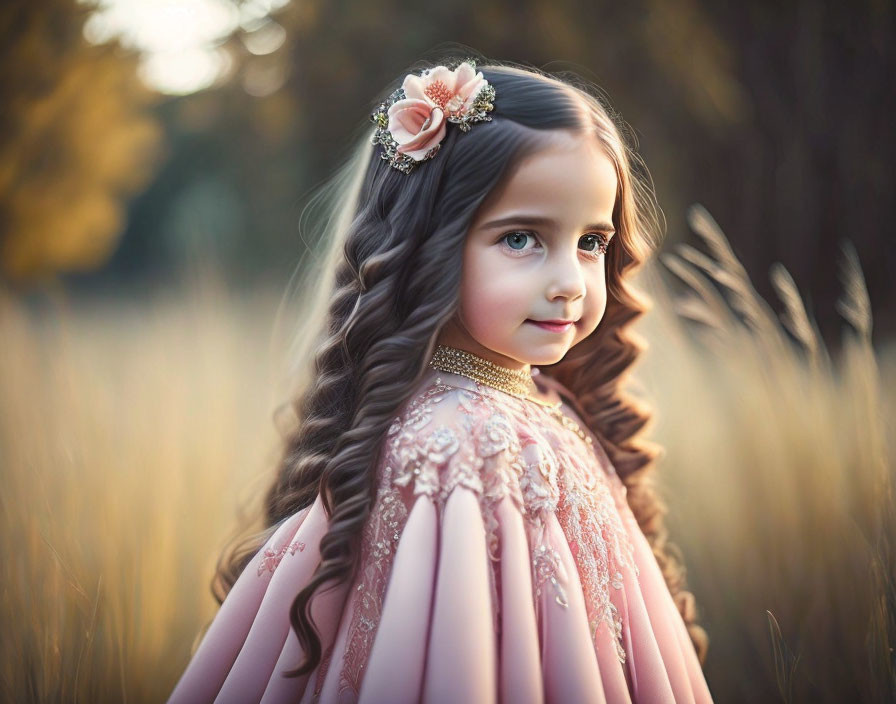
[[539, 354]]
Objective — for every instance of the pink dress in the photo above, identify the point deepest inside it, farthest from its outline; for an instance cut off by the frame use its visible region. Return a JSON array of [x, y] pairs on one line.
[[501, 562]]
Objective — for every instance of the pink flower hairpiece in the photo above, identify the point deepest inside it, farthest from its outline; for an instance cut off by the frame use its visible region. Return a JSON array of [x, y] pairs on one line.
[[412, 122]]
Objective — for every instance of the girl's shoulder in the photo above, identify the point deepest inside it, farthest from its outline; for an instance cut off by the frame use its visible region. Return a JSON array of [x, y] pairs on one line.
[[443, 404], [453, 432]]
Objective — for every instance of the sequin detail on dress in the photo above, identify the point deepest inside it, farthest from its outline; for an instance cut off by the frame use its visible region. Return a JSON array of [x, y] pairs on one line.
[[497, 446], [271, 559], [547, 562]]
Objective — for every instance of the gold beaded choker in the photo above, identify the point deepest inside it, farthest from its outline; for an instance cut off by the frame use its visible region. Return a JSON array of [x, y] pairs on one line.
[[517, 382]]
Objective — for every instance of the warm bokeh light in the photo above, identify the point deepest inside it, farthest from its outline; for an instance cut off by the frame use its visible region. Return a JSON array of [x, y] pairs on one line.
[[179, 39]]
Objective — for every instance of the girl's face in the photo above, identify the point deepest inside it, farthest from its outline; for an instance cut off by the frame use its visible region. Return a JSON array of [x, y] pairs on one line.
[[535, 252]]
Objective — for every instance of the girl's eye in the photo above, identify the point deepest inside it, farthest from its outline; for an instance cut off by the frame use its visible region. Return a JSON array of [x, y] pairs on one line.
[[599, 241], [595, 243], [516, 240]]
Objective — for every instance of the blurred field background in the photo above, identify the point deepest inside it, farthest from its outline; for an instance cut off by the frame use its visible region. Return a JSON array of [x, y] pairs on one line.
[[155, 158]]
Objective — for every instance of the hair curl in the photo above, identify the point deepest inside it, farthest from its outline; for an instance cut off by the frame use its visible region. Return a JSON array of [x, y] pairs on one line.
[[394, 261]]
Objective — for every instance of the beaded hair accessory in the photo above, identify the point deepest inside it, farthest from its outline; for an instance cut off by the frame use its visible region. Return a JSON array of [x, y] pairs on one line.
[[412, 122]]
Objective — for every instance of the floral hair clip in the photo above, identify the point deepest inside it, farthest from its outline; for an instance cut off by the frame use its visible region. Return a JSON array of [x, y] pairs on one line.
[[411, 123]]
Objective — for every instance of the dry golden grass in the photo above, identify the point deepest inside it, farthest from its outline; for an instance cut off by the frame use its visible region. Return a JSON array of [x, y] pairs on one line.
[[132, 433], [778, 478]]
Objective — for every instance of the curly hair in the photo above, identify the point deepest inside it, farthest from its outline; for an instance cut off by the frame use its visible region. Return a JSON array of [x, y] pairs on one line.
[[394, 262]]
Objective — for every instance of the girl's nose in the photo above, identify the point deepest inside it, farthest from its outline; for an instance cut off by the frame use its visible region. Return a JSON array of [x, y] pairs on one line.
[[566, 277]]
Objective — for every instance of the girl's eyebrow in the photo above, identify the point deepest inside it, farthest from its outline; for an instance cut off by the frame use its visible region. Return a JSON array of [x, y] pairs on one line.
[[524, 219]]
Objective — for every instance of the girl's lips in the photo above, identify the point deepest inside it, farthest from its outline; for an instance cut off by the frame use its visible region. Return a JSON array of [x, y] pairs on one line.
[[552, 327]]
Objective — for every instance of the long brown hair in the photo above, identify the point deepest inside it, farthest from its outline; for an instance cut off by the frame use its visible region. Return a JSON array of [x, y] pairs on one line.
[[387, 284]]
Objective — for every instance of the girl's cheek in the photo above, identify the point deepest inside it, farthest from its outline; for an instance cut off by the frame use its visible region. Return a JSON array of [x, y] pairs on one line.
[[491, 304], [486, 309], [495, 292], [486, 280], [595, 309]]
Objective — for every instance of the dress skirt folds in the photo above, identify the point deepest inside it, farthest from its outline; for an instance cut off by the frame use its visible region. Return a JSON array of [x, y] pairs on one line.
[[500, 563]]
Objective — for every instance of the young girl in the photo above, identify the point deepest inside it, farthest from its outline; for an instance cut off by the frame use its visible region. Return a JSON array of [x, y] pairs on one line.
[[461, 513]]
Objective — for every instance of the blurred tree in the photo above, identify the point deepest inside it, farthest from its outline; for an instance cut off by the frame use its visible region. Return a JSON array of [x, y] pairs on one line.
[[76, 139]]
